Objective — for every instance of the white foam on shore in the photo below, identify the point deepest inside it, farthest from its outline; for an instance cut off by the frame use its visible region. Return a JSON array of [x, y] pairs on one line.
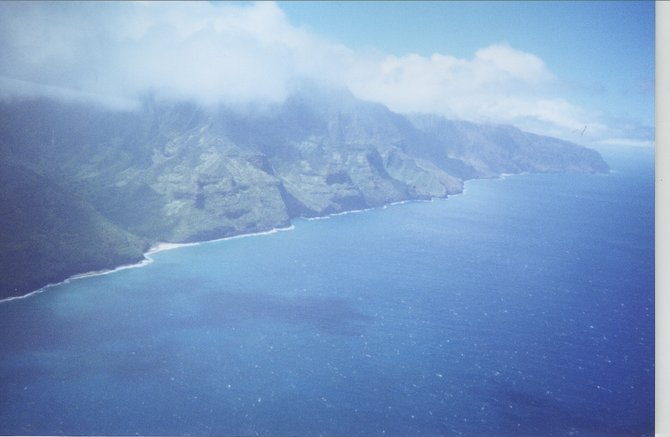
[[401, 202], [508, 175], [32, 293], [160, 247], [372, 208], [335, 214], [142, 263]]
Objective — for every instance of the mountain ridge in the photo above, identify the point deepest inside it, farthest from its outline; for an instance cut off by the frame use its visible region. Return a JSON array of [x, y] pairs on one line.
[[176, 172]]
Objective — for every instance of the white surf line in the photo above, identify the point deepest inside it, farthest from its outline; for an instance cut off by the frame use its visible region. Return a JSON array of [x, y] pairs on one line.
[[142, 263], [160, 247], [335, 214], [372, 208]]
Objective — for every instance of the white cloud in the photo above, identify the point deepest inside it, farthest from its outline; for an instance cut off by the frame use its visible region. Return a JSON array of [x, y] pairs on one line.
[[517, 64], [20, 89], [202, 51], [500, 84], [224, 53]]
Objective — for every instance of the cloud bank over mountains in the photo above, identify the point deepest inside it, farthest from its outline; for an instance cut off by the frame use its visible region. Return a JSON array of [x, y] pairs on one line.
[[241, 55]]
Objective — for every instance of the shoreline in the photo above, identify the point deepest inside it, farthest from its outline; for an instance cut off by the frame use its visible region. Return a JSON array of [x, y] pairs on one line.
[[165, 246], [159, 247]]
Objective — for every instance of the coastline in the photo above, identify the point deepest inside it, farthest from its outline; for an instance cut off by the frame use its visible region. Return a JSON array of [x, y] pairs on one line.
[[158, 247], [142, 263], [165, 246]]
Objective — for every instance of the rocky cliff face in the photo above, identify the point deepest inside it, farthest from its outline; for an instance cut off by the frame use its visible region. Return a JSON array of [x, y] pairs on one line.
[[172, 171]]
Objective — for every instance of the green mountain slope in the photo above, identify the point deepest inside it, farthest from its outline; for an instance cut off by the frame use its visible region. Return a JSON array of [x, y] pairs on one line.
[[48, 234]]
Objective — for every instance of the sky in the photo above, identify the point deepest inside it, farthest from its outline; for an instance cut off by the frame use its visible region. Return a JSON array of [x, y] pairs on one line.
[[552, 68]]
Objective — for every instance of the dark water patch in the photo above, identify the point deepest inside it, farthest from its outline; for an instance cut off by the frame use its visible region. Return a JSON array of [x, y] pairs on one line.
[[330, 315]]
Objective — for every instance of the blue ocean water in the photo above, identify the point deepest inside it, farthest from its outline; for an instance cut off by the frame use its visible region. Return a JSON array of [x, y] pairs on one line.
[[524, 306]]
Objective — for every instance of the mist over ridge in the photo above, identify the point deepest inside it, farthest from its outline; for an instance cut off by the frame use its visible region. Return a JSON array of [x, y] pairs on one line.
[[243, 55]]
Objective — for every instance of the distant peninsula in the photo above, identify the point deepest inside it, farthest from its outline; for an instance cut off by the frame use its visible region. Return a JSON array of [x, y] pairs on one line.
[[86, 188]]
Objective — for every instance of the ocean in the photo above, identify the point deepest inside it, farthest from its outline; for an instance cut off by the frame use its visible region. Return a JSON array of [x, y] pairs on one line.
[[524, 306]]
